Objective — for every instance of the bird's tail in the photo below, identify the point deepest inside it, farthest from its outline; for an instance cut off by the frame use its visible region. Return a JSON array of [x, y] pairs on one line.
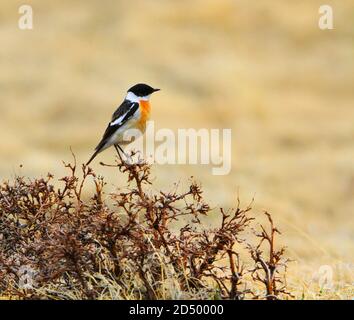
[[93, 156]]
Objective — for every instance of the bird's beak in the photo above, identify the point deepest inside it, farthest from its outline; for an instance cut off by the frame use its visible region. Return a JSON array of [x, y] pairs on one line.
[[156, 90]]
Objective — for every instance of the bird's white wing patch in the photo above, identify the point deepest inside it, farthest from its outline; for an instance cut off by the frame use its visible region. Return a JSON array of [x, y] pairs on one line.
[[118, 120], [125, 116]]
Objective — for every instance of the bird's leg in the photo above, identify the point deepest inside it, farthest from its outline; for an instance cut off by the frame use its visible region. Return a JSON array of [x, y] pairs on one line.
[[129, 158], [119, 155], [120, 148]]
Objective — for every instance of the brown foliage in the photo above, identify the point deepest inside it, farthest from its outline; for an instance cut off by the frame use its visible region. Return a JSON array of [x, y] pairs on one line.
[[140, 244]]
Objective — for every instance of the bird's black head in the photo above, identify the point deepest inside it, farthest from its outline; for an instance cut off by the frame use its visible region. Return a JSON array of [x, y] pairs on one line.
[[142, 90]]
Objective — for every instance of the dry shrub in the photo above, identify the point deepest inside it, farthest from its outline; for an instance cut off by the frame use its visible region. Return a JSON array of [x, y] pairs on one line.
[[127, 245]]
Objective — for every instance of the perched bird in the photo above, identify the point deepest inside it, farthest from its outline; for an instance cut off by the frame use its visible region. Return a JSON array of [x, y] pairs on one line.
[[131, 114]]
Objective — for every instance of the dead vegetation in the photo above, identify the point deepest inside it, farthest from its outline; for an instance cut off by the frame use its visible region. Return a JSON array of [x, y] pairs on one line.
[[131, 244]]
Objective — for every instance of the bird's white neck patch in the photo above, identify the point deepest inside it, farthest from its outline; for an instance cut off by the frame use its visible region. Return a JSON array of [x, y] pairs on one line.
[[134, 98]]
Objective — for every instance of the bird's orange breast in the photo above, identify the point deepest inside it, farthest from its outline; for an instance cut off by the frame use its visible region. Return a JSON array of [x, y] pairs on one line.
[[144, 113]]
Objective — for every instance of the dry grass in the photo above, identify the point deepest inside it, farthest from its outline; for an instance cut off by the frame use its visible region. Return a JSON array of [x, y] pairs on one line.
[[128, 245], [263, 69]]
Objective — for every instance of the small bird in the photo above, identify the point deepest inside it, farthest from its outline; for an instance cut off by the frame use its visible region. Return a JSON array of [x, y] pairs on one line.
[[133, 113]]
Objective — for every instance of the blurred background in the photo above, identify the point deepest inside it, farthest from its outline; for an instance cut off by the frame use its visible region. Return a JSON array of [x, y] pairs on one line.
[[262, 68]]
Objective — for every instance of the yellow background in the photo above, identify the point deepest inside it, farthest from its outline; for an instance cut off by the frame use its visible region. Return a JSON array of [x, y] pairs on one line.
[[262, 68]]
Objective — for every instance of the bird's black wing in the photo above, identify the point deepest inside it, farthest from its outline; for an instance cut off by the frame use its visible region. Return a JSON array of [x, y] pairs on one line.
[[124, 112]]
